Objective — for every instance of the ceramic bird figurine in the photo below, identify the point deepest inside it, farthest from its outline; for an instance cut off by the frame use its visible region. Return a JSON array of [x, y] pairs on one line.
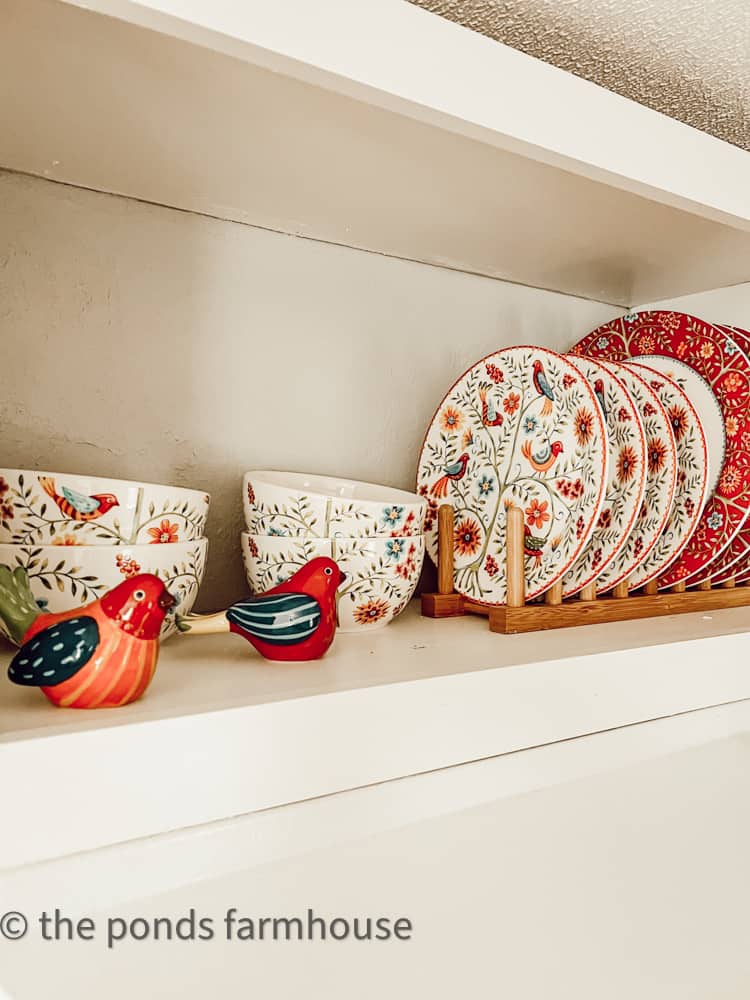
[[532, 546], [544, 459], [457, 470], [599, 393], [294, 621], [490, 416], [102, 655], [77, 506], [542, 386]]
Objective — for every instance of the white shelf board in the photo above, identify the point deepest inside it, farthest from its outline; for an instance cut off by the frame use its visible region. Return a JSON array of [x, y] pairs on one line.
[[118, 874], [374, 124], [616, 867], [222, 733]]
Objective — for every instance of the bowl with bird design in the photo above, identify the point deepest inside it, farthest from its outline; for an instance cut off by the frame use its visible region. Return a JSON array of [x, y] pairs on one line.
[[299, 505], [54, 508], [381, 573], [63, 578]]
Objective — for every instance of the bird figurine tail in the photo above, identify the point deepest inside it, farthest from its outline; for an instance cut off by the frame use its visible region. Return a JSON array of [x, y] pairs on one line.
[[18, 607]]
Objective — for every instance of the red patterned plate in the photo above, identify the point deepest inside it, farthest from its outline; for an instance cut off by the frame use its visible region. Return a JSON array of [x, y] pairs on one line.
[[720, 362], [735, 559]]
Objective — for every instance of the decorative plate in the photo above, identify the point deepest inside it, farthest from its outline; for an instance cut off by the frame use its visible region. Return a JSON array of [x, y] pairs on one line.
[[692, 475], [521, 427], [735, 559], [626, 484], [661, 479], [719, 361]]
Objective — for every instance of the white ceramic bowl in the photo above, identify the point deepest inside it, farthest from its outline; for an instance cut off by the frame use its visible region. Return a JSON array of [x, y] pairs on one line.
[[381, 573], [38, 508], [299, 505], [63, 577]]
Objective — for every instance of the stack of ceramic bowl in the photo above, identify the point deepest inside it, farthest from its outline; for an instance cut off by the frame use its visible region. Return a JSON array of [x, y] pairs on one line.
[[374, 533], [79, 536]]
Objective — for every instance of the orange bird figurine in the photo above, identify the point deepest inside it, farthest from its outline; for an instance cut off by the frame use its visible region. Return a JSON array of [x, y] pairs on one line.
[[77, 506], [102, 655], [544, 459], [294, 621]]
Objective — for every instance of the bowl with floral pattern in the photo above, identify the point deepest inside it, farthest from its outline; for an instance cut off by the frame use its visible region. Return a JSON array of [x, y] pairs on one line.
[[65, 576], [298, 505], [42, 508], [381, 573]]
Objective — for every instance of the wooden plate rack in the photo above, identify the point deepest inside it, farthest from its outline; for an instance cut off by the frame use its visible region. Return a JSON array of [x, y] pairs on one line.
[[552, 611]]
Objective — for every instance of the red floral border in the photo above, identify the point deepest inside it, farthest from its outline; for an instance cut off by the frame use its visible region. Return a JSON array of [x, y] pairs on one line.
[[703, 347]]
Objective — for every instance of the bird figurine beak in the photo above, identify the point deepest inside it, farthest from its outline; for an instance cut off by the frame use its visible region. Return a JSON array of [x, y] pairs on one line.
[[167, 600], [342, 577]]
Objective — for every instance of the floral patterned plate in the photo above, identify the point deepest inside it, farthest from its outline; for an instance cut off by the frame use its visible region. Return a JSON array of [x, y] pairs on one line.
[[661, 478], [524, 429], [735, 559], [719, 361], [626, 484], [692, 475]]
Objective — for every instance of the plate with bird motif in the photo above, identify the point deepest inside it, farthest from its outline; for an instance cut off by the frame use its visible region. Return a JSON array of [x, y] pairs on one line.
[[626, 483], [710, 352], [661, 479], [735, 559], [691, 488], [520, 428]]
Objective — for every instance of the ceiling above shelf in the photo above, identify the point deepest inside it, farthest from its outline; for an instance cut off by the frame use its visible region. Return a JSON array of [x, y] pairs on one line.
[[377, 126]]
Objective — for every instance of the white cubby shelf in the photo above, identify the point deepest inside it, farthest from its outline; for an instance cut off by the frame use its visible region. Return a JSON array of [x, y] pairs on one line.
[[357, 125]]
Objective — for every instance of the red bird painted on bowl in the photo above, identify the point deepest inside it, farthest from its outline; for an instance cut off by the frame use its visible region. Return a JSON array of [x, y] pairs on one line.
[[77, 506], [102, 655]]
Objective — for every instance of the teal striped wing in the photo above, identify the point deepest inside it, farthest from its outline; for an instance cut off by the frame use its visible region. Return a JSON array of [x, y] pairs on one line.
[[278, 619], [56, 653], [82, 503]]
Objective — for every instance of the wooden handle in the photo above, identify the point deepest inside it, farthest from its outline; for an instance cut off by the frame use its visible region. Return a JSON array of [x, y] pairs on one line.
[[203, 624], [729, 584], [651, 588], [679, 587], [706, 585], [445, 549], [554, 595], [514, 570]]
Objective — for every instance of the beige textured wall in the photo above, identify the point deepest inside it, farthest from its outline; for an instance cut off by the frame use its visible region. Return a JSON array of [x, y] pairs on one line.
[[685, 58], [143, 342]]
